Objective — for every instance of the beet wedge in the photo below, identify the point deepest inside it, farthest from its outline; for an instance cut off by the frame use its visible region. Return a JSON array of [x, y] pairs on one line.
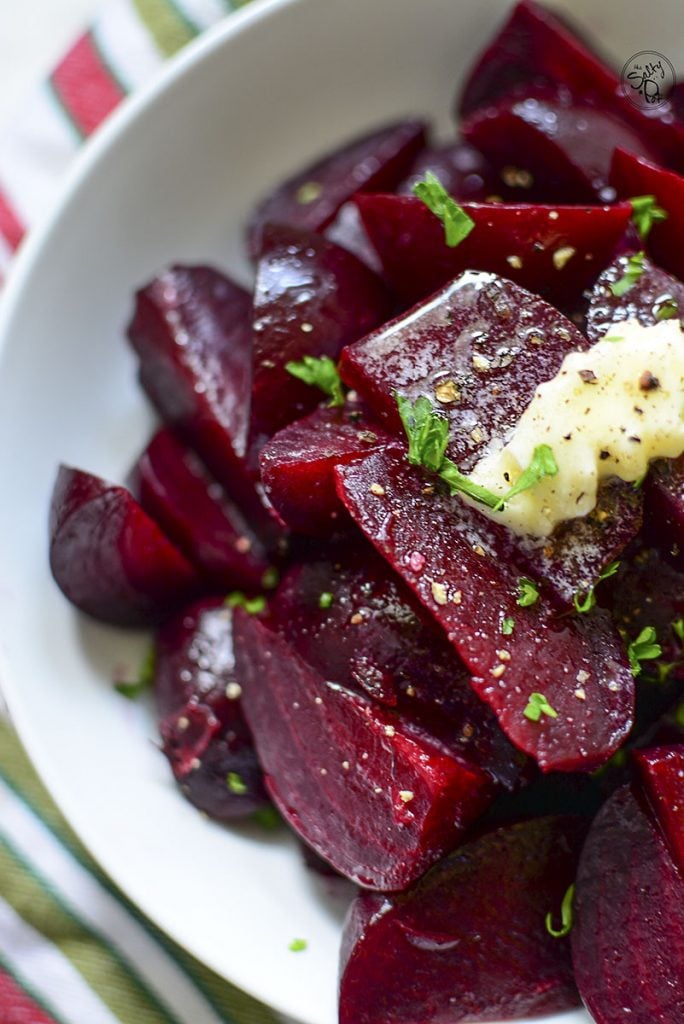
[[309, 200], [376, 798], [298, 463], [661, 772], [109, 558], [555, 251], [463, 171], [535, 47], [468, 941], [310, 298], [628, 931], [204, 733], [654, 296], [665, 505], [460, 567], [353, 620]]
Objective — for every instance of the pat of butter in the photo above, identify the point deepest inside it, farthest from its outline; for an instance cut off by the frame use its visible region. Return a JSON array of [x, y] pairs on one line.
[[607, 413]]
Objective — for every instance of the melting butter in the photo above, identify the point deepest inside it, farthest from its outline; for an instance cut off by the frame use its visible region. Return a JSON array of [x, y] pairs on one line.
[[608, 412]]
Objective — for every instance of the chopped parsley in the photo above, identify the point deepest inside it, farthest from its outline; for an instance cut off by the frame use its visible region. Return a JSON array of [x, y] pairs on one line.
[[133, 689], [309, 192], [457, 223], [633, 271], [585, 602], [566, 916], [644, 648], [252, 605], [646, 213], [298, 945], [528, 593], [678, 630], [326, 599], [537, 706], [236, 784], [320, 372], [667, 310], [543, 464], [267, 817], [270, 579], [507, 626]]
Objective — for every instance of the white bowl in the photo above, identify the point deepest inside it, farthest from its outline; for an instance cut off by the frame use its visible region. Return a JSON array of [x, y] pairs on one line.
[[171, 177]]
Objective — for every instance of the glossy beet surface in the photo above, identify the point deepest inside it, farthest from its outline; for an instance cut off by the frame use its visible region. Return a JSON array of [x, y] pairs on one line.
[[628, 932], [311, 198], [374, 796], [374, 637], [458, 564], [297, 465], [204, 733], [175, 489], [665, 505], [554, 251], [661, 771], [468, 941], [310, 298], [649, 299], [463, 171], [109, 558]]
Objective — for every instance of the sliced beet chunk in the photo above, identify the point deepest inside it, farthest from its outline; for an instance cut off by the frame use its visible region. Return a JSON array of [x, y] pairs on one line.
[[372, 795], [460, 566], [468, 941], [297, 465], [311, 198], [555, 251], [109, 558], [204, 733], [654, 296], [347, 231], [310, 298], [462, 170], [628, 931], [661, 771], [664, 509]]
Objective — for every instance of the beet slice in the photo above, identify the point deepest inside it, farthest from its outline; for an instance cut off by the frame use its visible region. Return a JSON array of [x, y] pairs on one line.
[[462, 170], [297, 465], [661, 771], [634, 176], [347, 231], [468, 941], [555, 251], [665, 505], [175, 489], [535, 47], [310, 298], [371, 794], [459, 565], [205, 736], [652, 294], [311, 198], [628, 933], [109, 558], [372, 636]]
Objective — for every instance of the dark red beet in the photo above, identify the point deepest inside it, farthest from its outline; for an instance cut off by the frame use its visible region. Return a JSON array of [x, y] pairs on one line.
[[661, 771], [311, 198], [380, 819], [651, 293], [297, 465], [535, 47], [468, 941], [310, 298], [665, 505], [175, 489], [628, 931], [374, 637], [462, 170], [634, 176], [203, 728], [109, 558], [519, 241], [565, 146], [348, 232], [459, 565]]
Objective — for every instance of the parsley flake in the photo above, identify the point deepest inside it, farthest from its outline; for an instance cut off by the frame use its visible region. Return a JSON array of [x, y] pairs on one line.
[[667, 310], [252, 605], [646, 213], [644, 648], [566, 916], [585, 602], [321, 372], [457, 223], [270, 579], [537, 706], [543, 464], [633, 271], [528, 593], [267, 817], [298, 945], [507, 626], [678, 630], [326, 599], [133, 689], [236, 784]]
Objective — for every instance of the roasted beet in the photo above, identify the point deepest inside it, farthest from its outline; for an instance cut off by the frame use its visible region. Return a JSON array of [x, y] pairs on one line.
[[461, 169], [661, 771], [175, 489], [665, 506], [310, 298], [459, 565], [372, 795], [653, 296], [468, 941], [311, 198], [109, 558], [350, 617], [628, 933], [347, 231], [203, 728], [552, 250], [634, 176]]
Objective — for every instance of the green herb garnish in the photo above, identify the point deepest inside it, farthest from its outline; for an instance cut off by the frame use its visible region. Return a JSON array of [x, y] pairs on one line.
[[270, 579], [134, 689], [644, 648], [633, 271], [309, 192], [320, 372], [646, 213], [252, 605], [584, 603], [566, 916], [543, 464], [528, 594], [297, 945], [667, 310], [537, 706], [678, 630], [507, 626], [267, 817], [236, 784], [325, 600], [457, 223]]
